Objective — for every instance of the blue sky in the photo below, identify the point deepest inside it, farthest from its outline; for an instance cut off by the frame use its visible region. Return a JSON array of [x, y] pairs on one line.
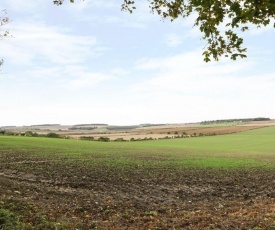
[[88, 62]]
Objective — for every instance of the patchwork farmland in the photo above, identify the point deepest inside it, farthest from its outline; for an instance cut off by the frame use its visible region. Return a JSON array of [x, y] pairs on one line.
[[207, 182]]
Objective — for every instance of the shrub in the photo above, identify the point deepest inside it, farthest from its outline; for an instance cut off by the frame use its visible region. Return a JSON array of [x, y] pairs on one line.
[[9, 133], [53, 135], [119, 139], [31, 134], [86, 138], [105, 139]]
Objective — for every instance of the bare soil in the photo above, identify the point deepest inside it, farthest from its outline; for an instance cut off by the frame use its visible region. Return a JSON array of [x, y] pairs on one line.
[[157, 133], [103, 197], [198, 130], [261, 123]]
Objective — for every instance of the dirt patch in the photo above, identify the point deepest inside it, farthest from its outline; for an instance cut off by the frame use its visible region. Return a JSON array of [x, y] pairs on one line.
[[104, 197]]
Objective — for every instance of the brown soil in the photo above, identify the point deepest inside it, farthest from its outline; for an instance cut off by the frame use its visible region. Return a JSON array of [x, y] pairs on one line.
[[136, 198], [261, 123], [157, 133], [197, 130], [126, 136]]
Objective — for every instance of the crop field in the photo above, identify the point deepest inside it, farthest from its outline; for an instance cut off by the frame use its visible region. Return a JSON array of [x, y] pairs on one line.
[[165, 131], [208, 182], [139, 132]]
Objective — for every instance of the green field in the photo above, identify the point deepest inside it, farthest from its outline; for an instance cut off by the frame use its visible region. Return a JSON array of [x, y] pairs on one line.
[[254, 148], [208, 182]]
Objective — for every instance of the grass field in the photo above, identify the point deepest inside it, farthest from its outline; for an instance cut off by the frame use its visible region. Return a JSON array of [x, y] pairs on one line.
[[255, 148], [65, 184]]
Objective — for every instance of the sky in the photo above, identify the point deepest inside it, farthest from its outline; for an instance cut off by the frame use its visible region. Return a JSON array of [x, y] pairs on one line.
[[89, 62]]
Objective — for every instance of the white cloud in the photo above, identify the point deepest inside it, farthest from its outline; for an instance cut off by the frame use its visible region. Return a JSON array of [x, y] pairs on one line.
[[195, 90], [120, 71], [58, 74], [140, 18], [27, 5], [86, 80], [86, 11], [173, 40], [85, 5], [37, 41]]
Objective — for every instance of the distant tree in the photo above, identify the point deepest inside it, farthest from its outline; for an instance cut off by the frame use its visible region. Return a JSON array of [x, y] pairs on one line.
[[211, 16], [261, 119], [86, 138], [53, 135], [104, 139], [31, 134], [119, 139]]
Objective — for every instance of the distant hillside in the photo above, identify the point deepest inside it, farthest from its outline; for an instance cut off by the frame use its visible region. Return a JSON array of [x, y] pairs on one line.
[[236, 120], [46, 125], [150, 125], [123, 127], [96, 124], [7, 127]]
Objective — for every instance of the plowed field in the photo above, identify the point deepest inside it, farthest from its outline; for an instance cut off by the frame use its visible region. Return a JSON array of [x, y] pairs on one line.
[[218, 182], [106, 198]]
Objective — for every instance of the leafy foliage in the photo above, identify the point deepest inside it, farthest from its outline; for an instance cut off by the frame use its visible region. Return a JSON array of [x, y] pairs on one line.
[[3, 32], [59, 2], [4, 19], [212, 17]]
